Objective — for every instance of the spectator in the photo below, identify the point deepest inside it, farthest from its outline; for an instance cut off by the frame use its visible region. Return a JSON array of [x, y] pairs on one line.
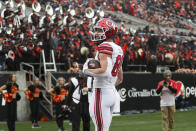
[[183, 102], [2, 55], [11, 63], [167, 89]]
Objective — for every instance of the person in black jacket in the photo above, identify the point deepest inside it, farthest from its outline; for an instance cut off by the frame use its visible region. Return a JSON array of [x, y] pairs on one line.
[[11, 97], [2, 54], [8, 13], [152, 45], [78, 100], [34, 94], [59, 94], [11, 62]]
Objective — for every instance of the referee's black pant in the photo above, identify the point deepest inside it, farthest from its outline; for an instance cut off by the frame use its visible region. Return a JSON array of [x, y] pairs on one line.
[[80, 110]]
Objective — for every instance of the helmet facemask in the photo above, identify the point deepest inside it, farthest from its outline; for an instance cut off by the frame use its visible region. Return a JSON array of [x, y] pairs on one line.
[[98, 33]]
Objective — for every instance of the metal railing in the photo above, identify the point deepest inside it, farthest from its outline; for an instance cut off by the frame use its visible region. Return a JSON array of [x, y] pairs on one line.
[[45, 64], [48, 82], [30, 72]]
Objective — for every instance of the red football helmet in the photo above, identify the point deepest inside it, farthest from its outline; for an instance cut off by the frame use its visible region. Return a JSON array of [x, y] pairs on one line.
[[104, 29]]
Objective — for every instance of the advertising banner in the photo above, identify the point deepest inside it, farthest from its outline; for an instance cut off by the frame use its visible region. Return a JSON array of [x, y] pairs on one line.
[[138, 90]]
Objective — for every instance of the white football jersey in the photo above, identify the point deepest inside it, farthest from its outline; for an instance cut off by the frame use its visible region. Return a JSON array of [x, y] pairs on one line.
[[114, 65]]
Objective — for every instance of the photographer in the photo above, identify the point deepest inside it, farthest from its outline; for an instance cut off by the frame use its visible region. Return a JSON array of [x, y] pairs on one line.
[[167, 90], [78, 100], [59, 95]]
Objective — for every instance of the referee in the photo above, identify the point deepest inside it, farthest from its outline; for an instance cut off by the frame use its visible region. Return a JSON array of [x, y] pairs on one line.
[[78, 100]]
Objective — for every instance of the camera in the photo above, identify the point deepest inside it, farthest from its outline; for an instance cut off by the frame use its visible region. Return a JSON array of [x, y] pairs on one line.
[[165, 83]]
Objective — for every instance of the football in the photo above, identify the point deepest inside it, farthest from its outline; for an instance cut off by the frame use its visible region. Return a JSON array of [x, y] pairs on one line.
[[93, 64]]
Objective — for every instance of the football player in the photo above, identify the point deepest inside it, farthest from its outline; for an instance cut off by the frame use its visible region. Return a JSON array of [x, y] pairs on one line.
[[109, 75]]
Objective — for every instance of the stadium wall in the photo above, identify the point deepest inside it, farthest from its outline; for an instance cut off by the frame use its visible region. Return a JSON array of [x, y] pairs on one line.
[[138, 90]]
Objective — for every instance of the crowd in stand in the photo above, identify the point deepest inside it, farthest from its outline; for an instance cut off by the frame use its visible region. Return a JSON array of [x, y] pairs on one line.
[[170, 49], [170, 13], [70, 39], [175, 14]]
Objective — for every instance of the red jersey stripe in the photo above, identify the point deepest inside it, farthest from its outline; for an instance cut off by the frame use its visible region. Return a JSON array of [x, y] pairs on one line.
[[106, 52], [105, 48], [105, 44]]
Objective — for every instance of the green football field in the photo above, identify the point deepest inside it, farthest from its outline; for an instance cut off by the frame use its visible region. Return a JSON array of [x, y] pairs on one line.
[[184, 121]]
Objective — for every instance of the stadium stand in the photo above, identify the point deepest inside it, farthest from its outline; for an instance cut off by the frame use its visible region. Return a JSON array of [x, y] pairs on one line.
[[64, 27]]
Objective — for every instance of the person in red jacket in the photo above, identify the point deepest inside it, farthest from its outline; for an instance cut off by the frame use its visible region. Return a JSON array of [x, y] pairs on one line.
[[167, 89]]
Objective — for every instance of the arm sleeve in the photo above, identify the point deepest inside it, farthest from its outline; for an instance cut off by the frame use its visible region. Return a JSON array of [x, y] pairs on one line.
[[173, 90], [71, 91], [159, 88], [41, 96], [31, 88], [105, 48]]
